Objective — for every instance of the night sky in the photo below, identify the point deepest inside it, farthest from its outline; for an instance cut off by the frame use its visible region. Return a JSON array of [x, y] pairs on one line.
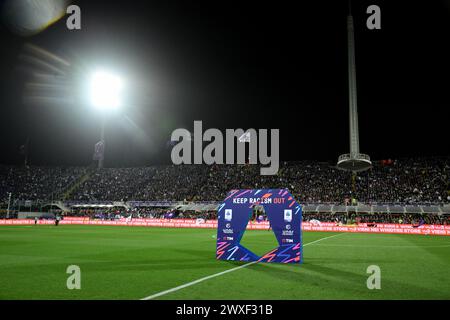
[[258, 65]]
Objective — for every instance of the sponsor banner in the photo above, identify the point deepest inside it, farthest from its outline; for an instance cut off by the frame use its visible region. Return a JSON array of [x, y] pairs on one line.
[[212, 224], [24, 221], [382, 228], [380, 225]]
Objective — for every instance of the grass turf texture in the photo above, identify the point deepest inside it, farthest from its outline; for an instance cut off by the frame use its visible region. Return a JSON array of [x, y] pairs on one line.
[[135, 262]]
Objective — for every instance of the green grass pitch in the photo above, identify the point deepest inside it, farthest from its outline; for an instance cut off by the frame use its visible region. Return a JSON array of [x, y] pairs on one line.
[[136, 262]]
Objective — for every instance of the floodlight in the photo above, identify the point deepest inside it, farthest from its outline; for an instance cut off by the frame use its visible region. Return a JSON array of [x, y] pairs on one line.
[[106, 90]]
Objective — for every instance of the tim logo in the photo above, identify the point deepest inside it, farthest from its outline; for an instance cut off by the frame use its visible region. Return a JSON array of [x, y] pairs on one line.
[[287, 215], [228, 214]]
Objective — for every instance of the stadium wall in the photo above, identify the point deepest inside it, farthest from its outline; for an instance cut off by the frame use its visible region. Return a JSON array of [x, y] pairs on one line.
[[212, 224]]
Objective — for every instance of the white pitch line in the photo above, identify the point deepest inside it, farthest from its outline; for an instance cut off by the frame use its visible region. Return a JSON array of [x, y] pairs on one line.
[[162, 293]]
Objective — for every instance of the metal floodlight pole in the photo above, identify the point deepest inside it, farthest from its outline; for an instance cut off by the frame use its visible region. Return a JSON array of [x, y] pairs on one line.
[[9, 205], [353, 109]]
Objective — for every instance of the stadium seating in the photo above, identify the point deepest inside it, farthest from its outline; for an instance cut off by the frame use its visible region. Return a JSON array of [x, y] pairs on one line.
[[416, 181]]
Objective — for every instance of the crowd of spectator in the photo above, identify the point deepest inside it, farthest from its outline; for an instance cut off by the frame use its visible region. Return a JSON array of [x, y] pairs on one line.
[[37, 183], [115, 184], [405, 181]]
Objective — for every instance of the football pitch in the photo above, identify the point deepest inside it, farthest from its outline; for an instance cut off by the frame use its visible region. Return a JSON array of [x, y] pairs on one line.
[[139, 262]]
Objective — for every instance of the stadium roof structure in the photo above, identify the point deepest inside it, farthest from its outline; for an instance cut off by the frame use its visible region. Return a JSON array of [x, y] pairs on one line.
[[356, 162], [377, 208]]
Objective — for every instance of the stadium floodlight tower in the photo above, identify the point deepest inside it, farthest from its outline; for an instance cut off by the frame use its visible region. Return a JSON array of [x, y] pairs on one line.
[[105, 92], [353, 161]]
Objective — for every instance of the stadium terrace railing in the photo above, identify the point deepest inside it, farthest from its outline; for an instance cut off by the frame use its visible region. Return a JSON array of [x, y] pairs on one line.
[[398, 208], [425, 229], [307, 208]]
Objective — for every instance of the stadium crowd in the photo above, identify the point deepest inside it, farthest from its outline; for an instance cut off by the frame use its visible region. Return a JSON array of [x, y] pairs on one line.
[[343, 218], [37, 183], [405, 181]]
